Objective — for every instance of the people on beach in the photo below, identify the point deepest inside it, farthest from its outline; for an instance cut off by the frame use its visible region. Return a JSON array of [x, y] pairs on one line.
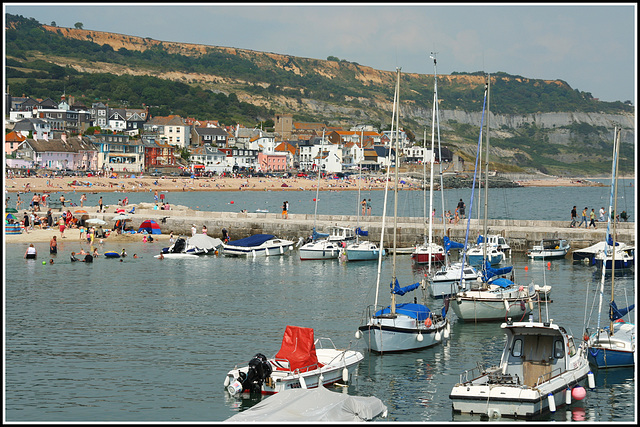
[[602, 212], [83, 198], [204, 230], [193, 230], [285, 213], [61, 226], [574, 217], [225, 235], [369, 207], [53, 245], [592, 217], [31, 252], [461, 208], [364, 206], [100, 204], [584, 218]]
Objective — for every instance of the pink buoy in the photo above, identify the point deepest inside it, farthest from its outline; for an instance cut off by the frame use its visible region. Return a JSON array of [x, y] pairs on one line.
[[231, 202], [578, 393]]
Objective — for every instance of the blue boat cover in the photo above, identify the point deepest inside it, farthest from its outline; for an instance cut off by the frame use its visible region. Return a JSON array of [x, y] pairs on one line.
[[479, 240], [419, 312], [401, 291], [502, 282], [610, 240], [361, 232], [616, 313], [490, 272], [255, 240], [450, 244], [315, 235]]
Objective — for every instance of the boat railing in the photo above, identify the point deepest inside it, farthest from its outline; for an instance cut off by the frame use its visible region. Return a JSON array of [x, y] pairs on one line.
[[283, 364], [373, 309], [549, 376], [475, 373], [320, 340]]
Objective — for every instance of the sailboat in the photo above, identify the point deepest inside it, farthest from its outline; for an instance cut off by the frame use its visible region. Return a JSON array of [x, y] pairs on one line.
[[493, 296], [429, 252], [400, 326], [444, 282], [613, 346], [361, 250], [321, 246]]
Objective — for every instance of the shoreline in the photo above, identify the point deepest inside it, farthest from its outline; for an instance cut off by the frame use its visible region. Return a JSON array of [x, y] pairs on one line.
[[148, 183]]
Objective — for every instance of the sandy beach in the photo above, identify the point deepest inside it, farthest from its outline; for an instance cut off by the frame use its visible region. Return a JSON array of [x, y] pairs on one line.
[[147, 183]]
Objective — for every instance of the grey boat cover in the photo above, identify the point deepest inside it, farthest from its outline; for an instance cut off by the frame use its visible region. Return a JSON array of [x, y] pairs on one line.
[[317, 404], [205, 242]]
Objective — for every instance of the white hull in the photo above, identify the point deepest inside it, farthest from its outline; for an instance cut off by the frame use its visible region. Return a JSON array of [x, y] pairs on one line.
[[494, 304], [180, 255], [320, 249], [363, 251], [539, 361], [334, 362], [552, 248], [273, 247], [402, 333], [444, 282]]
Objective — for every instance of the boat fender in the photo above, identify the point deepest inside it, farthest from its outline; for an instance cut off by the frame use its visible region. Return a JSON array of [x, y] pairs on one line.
[[494, 413], [447, 331], [303, 384], [530, 304], [438, 336], [419, 337], [592, 380], [358, 334], [523, 306], [506, 304], [567, 396], [345, 375], [578, 392], [226, 381], [552, 402]]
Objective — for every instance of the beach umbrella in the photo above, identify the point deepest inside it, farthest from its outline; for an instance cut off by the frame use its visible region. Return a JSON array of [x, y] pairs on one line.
[[11, 210], [150, 226], [80, 211], [120, 210], [10, 216], [121, 216], [96, 221]]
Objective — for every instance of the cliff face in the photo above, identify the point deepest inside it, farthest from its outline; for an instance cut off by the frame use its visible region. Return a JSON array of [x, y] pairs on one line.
[[374, 108]]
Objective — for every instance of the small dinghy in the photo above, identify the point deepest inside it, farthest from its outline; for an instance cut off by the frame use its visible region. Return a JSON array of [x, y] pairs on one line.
[[302, 362]]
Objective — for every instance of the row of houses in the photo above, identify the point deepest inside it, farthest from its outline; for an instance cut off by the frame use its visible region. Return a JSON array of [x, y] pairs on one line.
[[133, 141]]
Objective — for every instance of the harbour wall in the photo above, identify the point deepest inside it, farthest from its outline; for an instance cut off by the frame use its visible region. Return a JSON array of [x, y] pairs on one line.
[[521, 234]]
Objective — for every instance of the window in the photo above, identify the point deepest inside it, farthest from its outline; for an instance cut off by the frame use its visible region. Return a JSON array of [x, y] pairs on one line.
[[516, 349], [558, 349]]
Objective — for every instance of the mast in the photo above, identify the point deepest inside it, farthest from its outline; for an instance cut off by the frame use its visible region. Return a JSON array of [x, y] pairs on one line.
[[384, 207], [616, 146], [486, 185], [358, 207], [395, 193], [435, 85], [315, 213], [433, 129], [611, 212]]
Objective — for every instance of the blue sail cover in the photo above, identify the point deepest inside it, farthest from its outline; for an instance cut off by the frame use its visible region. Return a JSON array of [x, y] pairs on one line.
[[401, 291], [450, 244], [419, 312], [361, 232], [502, 282], [479, 240], [315, 235], [610, 240], [255, 240], [616, 313], [490, 272]]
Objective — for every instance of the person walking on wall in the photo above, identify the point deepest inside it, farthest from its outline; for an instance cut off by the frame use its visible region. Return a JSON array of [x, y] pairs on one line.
[[592, 217], [574, 217], [584, 218]]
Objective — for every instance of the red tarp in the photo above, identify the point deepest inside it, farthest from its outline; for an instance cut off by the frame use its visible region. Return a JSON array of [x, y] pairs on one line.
[[299, 349]]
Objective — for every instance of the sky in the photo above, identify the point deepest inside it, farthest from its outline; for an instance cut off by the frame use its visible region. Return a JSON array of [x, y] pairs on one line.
[[590, 46]]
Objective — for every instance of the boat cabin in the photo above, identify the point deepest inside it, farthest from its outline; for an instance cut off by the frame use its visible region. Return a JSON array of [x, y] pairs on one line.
[[534, 352], [340, 234]]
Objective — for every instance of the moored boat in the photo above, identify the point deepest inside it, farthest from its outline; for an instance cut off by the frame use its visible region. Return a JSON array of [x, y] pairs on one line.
[[301, 362], [257, 245], [540, 369], [549, 248]]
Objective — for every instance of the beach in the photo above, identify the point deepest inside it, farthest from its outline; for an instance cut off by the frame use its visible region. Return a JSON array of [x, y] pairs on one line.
[[145, 183]]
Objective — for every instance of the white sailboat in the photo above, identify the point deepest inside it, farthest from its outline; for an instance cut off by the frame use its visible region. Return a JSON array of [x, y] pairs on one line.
[[400, 326], [492, 297], [612, 346], [320, 246]]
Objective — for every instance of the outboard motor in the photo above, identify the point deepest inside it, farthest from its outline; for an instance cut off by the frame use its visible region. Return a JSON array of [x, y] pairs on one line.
[[179, 245], [259, 371]]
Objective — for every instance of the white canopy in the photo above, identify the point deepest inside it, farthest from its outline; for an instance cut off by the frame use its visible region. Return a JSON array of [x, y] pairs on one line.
[[317, 404]]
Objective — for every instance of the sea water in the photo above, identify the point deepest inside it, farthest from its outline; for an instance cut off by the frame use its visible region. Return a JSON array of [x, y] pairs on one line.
[[152, 340], [534, 203]]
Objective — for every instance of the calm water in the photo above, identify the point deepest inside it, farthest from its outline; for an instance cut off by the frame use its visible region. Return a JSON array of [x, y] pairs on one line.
[[553, 203], [152, 340]]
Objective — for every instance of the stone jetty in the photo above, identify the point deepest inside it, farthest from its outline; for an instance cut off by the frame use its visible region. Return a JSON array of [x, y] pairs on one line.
[[522, 234]]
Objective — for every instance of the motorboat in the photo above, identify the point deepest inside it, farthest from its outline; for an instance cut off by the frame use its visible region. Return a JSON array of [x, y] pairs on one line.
[[257, 245], [363, 251], [203, 244], [497, 248], [177, 255], [429, 252], [589, 253], [613, 350], [446, 281], [313, 405], [624, 258], [301, 362], [540, 369], [549, 248], [320, 249], [338, 233]]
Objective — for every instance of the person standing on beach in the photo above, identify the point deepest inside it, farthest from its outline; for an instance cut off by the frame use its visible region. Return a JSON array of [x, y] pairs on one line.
[[364, 206], [592, 217], [193, 230], [574, 217], [62, 226], [100, 204], [204, 230], [584, 218], [82, 200]]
